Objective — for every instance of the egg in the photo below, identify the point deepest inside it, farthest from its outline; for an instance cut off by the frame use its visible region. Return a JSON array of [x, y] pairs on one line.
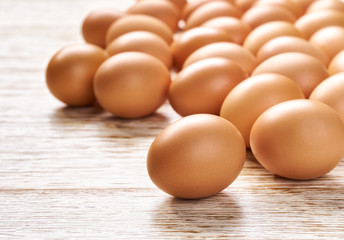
[[290, 44], [244, 5], [329, 39], [190, 40], [142, 41], [96, 24], [261, 14], [304, 69], [240, 55], [309, 23], [237, 29], [287, 4], [267, 31], [196, 157], [211, 10], [165, 11], [178, 3], [330, 91], [251, 97], [70, 73], [303, 4], [131, 84], [298, 139], [130, 23], [321, 5], [336, 65]]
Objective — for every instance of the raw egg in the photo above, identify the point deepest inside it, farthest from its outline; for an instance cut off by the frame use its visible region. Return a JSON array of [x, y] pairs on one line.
[[289, 5], [336, 65], [142, 41], [131, 84], [304, 69], [250, 98], [197, 156], [70, 73], [298, 139]]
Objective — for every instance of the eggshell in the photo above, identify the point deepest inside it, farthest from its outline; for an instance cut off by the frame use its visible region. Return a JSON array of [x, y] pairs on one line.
[[321, 5], [202, 86], [96, 24], [192, 39], [240, 55], [131, 84], [244, 5], [304, 69], [70, 73], [298, 139], [330, 91], [130, 23], [250, 98], [336, 65], [196, 156], [142, 41], [309, 23], [237, 29], [211, 10], [261, 14], [290, 44], [303, 4], [329, 39], [165, 11], [267, 31], [289, 5]]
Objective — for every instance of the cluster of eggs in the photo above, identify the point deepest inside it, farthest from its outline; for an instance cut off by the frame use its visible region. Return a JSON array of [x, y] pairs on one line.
[[267, 75]]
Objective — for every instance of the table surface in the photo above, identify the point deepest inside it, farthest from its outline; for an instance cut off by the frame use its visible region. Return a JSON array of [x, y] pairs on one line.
[[80, 173]]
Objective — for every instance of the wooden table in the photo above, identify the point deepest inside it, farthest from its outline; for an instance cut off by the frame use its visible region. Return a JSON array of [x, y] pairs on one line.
[[79, 173]]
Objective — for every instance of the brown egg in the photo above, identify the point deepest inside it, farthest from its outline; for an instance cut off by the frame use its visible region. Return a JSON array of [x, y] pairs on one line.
[[298, 139], [321, 5], [244, 5], [336, 65], [211, 10], [250, 98], [290, 44], [330, 91], [261, 14], [303, 4], [267, 31], [130, 23], [303, 69], [240, 55], [196, 156], [178, 3], [70, 73], [96, 24], [329, 39], [289, 5], [202, 86], [131, 84], [142, 41], [191, 40], [237, 29], [309, 23], [165, 11]]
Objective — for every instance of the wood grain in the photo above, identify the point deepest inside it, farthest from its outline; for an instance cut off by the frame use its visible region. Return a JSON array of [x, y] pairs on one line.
[[80, 173]]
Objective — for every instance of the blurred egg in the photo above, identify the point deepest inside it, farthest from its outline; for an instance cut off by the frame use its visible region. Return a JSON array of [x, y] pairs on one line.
[[240, 55], [267, 31], [289, 5], [261, 14], [142, 41], [329, 39], [202, 86], [309, 23], [321, 5], [303, 69], [70, 73], [165, 11], [331, 92], [250, 98], [178, 3], [96, 24], [244, 5], [190, 40], [290, 44], [130, 23], [298, 139], [131, 84], [303, 4], [211, 10], [196, 156], [237, 29], [336, 65]]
